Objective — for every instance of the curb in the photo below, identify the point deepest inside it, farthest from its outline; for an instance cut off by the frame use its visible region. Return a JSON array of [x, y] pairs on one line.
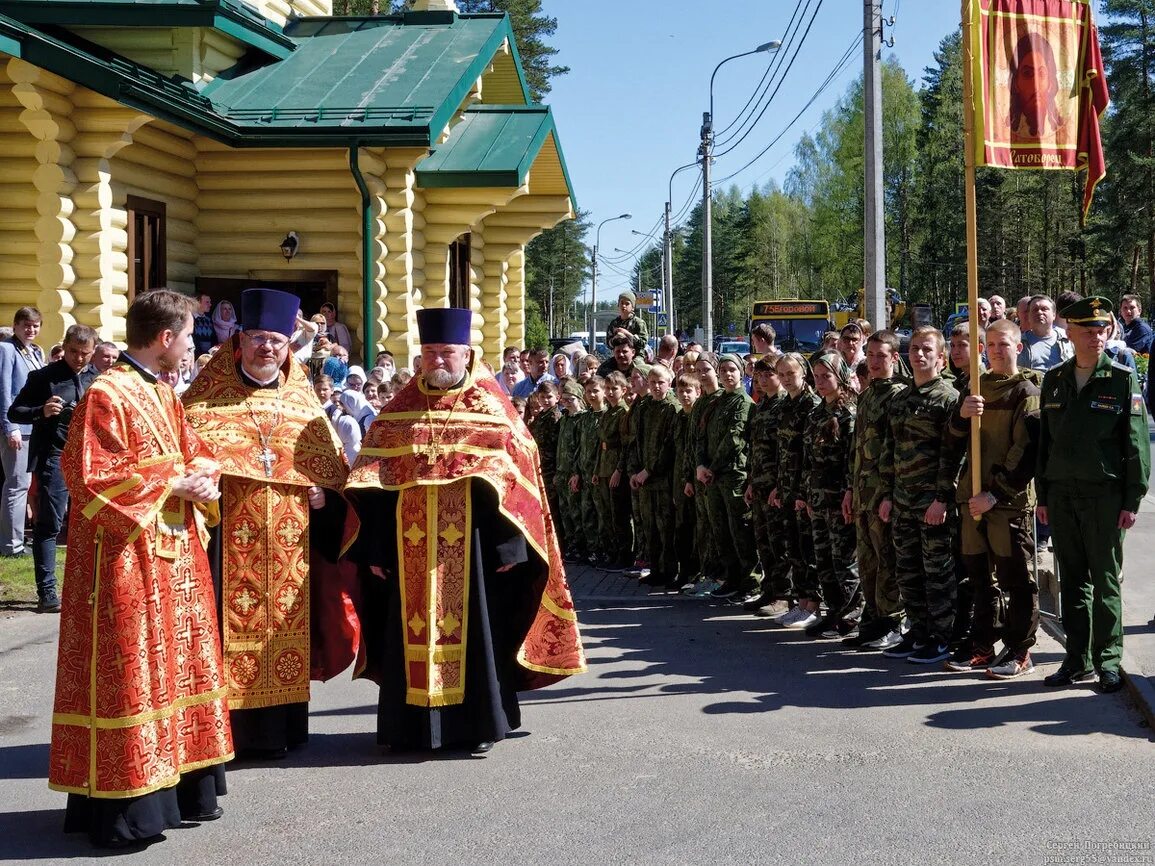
[[1138, 686]]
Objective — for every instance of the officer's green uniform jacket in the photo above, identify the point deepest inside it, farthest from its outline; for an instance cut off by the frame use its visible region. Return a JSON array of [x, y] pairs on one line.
[[827, 445], [610, 430], [636, 325], [721, 443], [1095, 438], [916, 470], [656, 435], [762, 433], [589, 443], [871, 439]]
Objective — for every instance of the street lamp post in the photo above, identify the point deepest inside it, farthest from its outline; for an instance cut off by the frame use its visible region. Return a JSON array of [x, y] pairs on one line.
[[668, 248], [594, 278], [706, 151]]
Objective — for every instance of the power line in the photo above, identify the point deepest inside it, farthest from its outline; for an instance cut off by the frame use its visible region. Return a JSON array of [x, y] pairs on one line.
[[834, 73], [781, 81], [775, 60]]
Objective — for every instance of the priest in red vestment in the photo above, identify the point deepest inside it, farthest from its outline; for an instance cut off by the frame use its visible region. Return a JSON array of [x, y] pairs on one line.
[[464, 601], [286, 605], [140, 726]]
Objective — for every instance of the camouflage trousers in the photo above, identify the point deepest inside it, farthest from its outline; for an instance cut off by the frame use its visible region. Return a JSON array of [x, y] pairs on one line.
[[770, 528], [685, 538], [707, 549], [798, 553], [883, 602], [569, 513], [595, 541], [729, 519], [997, 552], [657, 519], [614, 520], [924, 566], [640, 542], [834, 557]]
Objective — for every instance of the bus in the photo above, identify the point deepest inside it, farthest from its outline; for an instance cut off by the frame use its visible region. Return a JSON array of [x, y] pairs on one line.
[[799, 325]]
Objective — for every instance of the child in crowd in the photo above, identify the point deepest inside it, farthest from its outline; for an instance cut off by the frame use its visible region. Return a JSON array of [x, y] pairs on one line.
[[545, 430], [573, 404], [589, 449], [828, 444], [762, 433], [998, 534], [706, 367], [637, 400], [688, 388], [627, 324], [654, 479], [721, 468], [611, 490], [918, 496], [798, 545]]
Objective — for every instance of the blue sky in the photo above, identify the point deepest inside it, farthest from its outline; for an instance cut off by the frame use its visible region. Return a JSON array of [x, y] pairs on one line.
[[630, 109]]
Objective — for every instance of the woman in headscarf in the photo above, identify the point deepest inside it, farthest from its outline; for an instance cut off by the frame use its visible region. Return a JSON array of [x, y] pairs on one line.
[[225, 322], [355, 418], [560, 366]]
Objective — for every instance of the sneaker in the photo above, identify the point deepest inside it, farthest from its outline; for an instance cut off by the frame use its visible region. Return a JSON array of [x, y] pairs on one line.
[[887, 641], [968, 660], [748, 597], [49, 605], [689, 586], [839, 628], [805, 619], [1064, 677], [821, 625], [726, 590], [1016, 665], [773, 609], [930, 654], [757, 601], [705, 587], [905, 648]]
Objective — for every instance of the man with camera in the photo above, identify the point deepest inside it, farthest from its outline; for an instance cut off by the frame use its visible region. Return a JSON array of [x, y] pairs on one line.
[[46, 402]]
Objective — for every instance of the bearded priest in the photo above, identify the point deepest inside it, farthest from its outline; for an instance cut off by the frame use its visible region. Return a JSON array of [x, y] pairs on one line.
[[464, 598], [286, 606]]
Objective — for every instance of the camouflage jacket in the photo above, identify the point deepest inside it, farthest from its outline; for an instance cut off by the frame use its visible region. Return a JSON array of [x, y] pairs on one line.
[[827, 446], [762, 433], [683, 449], [610, 429], [871, 438], [629, 460], [589, 443], [567, 444], [915, 470], [721, 442], [545, 430], [636, 325], [788, 479], [695, 423], [655, 442]]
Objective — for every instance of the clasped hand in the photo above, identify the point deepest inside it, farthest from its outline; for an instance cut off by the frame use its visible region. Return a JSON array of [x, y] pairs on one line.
[[197, 486]]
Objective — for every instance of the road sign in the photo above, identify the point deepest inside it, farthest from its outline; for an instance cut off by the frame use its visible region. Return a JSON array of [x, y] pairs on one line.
[[663, 320]]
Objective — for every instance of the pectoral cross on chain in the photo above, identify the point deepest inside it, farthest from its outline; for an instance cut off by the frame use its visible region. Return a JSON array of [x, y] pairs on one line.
[[267, 458]]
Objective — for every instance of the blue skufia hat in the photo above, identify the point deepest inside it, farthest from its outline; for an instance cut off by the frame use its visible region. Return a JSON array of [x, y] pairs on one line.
[[450, 325], [269, 310]]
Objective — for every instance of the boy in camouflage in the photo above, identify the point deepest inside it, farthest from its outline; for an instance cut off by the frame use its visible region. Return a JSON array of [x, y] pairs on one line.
[[769, 528], [827, 447], [882, 614], [589, 453], [627, 324], [639, 397], [706, 367], [998, 530], [654, 480], [688, 389], [544, 430], [573, 407], [611, 492], [918, 484], [798, 543], [722, 461]]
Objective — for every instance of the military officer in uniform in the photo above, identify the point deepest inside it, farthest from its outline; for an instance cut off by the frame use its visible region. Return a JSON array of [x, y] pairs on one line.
[[1094, 460]]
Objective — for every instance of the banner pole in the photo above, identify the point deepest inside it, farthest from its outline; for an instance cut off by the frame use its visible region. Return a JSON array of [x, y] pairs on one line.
[[969, 144]]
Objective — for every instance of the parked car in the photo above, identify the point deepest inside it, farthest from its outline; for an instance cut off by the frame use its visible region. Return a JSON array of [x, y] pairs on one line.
[[734, 347]]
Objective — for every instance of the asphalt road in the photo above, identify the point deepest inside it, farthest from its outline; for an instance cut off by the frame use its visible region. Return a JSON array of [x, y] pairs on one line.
[[699, 736]]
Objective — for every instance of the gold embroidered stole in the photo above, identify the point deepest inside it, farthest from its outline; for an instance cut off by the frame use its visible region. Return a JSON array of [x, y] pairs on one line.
[[434, 527], [265, 592]]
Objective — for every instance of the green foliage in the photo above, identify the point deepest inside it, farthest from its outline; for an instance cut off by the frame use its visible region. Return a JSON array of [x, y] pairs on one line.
[[557, 265], [532, 29], [536, 331]]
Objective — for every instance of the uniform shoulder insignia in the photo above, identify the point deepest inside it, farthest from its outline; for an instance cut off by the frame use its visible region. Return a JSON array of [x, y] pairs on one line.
[[1136, 404], [1120, 368]]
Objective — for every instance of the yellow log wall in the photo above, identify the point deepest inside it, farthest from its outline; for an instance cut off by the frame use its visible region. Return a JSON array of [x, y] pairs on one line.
[[404, 263], [18, 265], [196, 53]]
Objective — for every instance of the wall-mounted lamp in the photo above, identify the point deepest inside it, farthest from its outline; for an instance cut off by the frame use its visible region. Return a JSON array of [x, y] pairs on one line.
[[290, 246]]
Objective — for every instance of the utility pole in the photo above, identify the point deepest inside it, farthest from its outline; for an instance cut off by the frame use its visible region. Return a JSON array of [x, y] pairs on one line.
[[707, 232], [668, 272], [874, 270], [551, 333]]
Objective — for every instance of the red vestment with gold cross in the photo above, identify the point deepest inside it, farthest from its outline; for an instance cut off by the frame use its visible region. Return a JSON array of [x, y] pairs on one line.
[[430, 447], [287, 613], [140, 690]]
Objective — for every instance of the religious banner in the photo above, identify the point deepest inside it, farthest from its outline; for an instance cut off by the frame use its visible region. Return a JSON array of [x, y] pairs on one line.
[[1038, 87]]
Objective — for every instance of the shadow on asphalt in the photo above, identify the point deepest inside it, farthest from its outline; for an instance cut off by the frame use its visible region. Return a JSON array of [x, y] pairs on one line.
[[37, 835], [708, 648], [24, 762]]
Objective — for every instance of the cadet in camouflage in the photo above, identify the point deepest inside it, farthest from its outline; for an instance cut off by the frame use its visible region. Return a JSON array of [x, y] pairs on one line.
[[706, 368], [689, 388], [654, 480], [769, 524], [545, 432], [573, 407], [611, 489], [589, 452]]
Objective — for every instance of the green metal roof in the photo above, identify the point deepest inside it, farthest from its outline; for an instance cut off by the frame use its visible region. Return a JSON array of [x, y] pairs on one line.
[[492, 145], [231, 17]]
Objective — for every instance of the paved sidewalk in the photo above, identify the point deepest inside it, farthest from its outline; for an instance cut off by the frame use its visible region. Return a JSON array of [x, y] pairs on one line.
[[1139, 608]]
